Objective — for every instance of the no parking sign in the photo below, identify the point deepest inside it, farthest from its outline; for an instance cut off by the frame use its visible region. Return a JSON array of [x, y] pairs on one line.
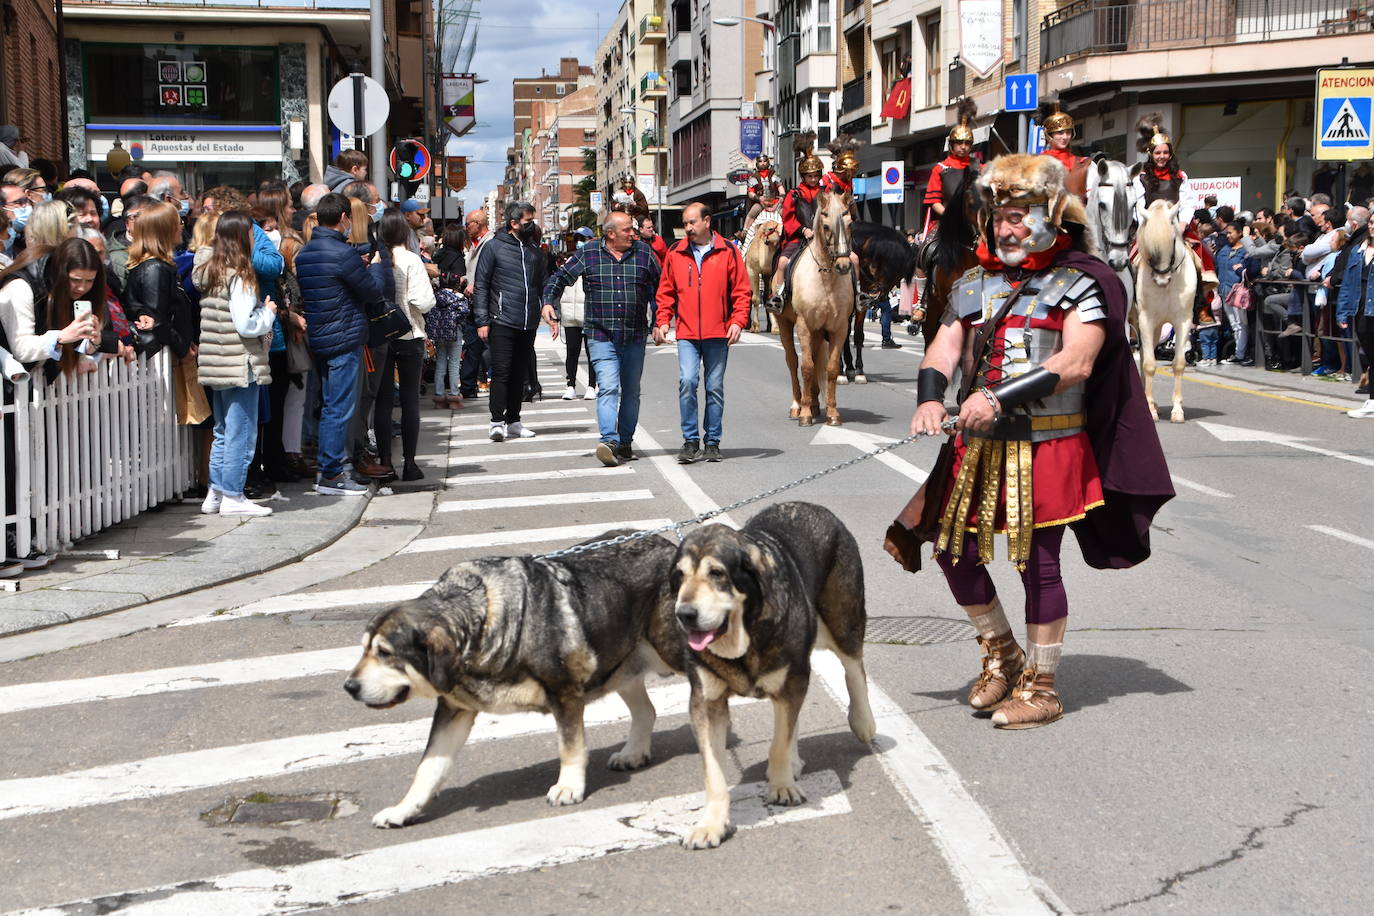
[[894, 177]]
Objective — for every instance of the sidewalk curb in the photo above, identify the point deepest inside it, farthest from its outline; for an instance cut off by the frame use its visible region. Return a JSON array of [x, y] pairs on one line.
[[181, 573]]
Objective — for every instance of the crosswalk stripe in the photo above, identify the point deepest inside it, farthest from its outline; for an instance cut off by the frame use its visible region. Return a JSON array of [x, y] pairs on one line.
[[315, 601], [533, 423], [987, 870], [44, 694], [560, 499], [153, 777], [526, 536], [462, 441], [466, 457], [478, 480], [404, 868]]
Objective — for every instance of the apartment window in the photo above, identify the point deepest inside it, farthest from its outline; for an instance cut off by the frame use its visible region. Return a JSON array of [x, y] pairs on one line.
[[930, 31], [825, 120], [1019, 36], [560, 89], [825, 27]]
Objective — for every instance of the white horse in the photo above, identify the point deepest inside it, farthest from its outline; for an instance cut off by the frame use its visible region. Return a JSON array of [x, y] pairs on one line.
[[1166, 281], [1111, 210]]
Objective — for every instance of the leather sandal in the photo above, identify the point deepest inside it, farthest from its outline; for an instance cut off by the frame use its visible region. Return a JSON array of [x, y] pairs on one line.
[[1033, 703], [1003, 661]]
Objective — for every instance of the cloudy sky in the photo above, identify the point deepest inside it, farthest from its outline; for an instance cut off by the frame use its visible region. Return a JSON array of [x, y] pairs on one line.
[[516, 39]]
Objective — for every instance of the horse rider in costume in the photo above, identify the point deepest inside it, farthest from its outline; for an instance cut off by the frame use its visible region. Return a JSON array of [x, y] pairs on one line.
[[1159, 177], [798, 212], [630, 199], [764, 190], [948, 177], [1053, 430], [1059, 129]]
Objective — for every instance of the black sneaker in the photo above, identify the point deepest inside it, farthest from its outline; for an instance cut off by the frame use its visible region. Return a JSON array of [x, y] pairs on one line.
[[689, 452], [712, 452], [891, 344], [606, 454], [412, 472], [624, 452]]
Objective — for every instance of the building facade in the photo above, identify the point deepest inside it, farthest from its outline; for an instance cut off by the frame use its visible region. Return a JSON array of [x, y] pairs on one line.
[[562, 131], [521, 165], [631, 100], [31, 98]]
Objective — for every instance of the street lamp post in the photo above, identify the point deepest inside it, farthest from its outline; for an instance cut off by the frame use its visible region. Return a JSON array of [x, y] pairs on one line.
[[771, 29], [658, 183]]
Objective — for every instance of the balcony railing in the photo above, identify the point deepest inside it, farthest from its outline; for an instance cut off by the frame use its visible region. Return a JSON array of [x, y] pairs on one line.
[[653, 84], [1108, 26], [854, 95], [652, 28], [651, 138]]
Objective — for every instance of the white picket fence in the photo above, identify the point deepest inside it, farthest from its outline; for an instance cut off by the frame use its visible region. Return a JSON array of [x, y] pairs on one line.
[[88, 452]]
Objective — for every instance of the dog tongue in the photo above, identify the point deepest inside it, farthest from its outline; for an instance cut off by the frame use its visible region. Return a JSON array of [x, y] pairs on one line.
[[700, 639]]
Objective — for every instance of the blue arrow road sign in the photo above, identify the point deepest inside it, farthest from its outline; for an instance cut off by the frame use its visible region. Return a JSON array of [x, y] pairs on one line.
[[1021, 92]]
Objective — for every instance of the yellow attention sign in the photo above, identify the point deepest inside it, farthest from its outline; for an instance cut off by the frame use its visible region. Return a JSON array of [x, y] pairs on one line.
[[1344, 123]]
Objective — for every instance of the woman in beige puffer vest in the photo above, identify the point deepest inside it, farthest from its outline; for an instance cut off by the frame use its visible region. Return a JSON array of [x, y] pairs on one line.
[[235, 336]]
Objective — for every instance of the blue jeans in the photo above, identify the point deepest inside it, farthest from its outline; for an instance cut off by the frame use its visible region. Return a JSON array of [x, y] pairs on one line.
[[236, 437], [616, 368], [885, 310], [1207, 340], [339, 377], [691, 356], [447, 354]]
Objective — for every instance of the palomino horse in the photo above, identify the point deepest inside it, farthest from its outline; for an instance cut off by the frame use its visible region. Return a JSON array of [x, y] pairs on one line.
[[1166, 280], [758, 260], [885, 260], [1111, 213], [820, 306]]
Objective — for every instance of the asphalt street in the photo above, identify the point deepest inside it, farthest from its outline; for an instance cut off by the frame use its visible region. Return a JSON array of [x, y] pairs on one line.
[[1208, 761]]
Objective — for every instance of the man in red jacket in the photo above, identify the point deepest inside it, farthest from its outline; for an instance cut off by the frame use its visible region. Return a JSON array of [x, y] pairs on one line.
[[706, 287]]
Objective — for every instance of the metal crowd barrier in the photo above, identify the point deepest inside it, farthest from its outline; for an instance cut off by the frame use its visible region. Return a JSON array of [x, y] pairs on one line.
[[1308, 334], [81, 454]]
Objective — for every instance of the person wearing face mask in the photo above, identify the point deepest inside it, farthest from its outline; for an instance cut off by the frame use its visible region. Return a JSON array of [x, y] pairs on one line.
[[19, 210], [508, 279]]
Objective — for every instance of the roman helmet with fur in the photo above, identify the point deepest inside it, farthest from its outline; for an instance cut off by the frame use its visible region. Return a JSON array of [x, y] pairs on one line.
[[845, 151], [1152, 133], [1054, 120], [808, 162], [962, 132], [1037, 184]]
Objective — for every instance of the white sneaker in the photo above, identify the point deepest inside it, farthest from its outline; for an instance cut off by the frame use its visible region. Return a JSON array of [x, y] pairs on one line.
[[241, 505], [590, 395], [497, 433], [570, 393], [213, 498], [518, 430], [1363, 412]]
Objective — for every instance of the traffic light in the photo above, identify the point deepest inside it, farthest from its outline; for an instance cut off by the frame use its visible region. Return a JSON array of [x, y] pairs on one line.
[[410, 160]]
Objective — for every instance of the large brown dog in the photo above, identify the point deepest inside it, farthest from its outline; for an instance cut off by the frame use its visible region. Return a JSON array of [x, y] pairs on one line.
[[753, 604]]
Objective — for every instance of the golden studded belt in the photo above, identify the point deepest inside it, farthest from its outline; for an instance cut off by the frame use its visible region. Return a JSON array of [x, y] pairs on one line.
[[1059, 421]]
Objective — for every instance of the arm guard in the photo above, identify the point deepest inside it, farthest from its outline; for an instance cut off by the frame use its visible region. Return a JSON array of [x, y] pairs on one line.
[[1034, 385], [930, 386]]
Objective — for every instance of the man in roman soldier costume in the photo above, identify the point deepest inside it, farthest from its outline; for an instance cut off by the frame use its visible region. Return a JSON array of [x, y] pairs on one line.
[[1053, 431], [798, 211], [764, 190], [1059, 127], [1159, 177], [630, 199], [947, 178]]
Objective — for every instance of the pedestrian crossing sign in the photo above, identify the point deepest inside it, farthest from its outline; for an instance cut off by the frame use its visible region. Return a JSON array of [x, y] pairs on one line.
[[1345, 114]]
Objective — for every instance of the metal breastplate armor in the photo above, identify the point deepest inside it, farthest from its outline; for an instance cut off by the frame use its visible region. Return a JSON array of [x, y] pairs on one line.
[[1168, 190], [805, 211], [978, 295]]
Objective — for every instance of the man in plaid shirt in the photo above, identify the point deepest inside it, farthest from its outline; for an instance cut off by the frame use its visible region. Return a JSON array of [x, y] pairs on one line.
[[619, 278]]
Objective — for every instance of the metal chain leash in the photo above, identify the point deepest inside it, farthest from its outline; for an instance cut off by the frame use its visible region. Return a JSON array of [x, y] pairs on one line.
[[676, 527]]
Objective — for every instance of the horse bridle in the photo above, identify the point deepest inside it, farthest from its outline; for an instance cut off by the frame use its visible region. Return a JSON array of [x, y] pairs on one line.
[[819, 266]]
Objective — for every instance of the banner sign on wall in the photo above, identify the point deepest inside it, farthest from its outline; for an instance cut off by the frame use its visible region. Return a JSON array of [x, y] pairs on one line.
[[751, 137], [1227, 191], [460, 102], [980, 35]]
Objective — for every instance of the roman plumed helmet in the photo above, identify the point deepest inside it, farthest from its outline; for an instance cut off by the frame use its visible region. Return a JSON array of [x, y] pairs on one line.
[[809, 163], [1054, 120], [963, 131], [1036, 183], [1152, 133], [845, 150]]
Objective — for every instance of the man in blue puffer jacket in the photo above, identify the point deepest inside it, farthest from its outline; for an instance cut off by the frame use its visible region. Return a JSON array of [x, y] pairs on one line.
[[507, 283], [337, 287]]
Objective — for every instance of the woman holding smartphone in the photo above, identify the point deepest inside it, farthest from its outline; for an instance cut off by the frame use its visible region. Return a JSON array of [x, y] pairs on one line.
[[78, 295], [235, 339]]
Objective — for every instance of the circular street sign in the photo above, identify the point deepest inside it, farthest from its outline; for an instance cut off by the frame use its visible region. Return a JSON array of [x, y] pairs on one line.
[[376, 106], [892, 176]]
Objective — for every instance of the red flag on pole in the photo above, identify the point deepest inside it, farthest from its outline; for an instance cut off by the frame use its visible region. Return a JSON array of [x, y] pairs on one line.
[[898, 100]]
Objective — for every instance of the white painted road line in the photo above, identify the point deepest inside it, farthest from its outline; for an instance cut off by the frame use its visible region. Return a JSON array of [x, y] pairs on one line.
[[677, 477], [526, 536], [404, 868], [1201, 488], [466, 457], [989, 874], [316, 601], [458, 441], [153, 777], [477, 480], [1344, 536], [21, 697], [550, 499]]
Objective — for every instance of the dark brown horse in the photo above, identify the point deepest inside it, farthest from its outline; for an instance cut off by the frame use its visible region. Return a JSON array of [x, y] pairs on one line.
[[885, 260], [951, 253]]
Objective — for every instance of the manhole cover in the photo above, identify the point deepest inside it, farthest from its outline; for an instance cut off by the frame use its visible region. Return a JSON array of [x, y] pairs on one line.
[[282, 812], [917, 631]]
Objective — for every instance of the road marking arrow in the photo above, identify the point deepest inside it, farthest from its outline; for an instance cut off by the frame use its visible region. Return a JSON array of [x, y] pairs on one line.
[[1240, 434], [867, 442]]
